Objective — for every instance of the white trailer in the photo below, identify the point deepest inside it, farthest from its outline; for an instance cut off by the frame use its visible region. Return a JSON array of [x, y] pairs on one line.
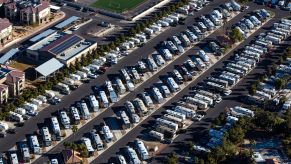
[[125, 75], [173, 119], [83, 75], [107, 133], [20, 111], [199, 63], [201, 104], [104, 100], [240, 111], [75, 77], [140, 107], [46, 136], [34, 144], [158, 95], [203, 55], [36, 102], [131, 111], [130, 86], [167, 123], [141, 149], [176, 114], [239, 67], [75, 115], [120, 86], [218, 81], [189, 113], [15, 116], [65, 120], [125, 120], [174, 87], [112, 95], [85, 114], [30, 107], [94, 104], [55, 126], [147, 100], [132, 156], [3, 126], [206, 99], [211, 95], [231, 80], [151, 64], [156, 135], [88, 145]]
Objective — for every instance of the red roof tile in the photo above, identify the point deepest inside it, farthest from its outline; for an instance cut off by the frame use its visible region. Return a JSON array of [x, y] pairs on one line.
[[14, 75], [4, 23], [43, 5]]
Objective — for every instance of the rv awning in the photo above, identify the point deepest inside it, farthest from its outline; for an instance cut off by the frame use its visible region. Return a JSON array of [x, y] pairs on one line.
[[49, 67]]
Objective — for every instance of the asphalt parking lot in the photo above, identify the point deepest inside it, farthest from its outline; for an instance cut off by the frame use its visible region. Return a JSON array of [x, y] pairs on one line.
[[31, 125], [134, 133]]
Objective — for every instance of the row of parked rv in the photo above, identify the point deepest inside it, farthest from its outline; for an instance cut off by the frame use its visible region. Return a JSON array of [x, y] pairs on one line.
[[194, 5], [282, 4], [134, 155], [250, 22], [216, 135], [30, 109], [244, 62], [266, 91]]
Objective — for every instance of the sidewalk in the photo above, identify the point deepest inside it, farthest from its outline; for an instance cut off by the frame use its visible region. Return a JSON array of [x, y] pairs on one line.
[[150, 10], [35, 31]]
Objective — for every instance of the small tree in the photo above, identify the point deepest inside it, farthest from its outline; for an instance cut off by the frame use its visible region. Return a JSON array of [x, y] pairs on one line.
[[171, 159], [279, 83], [236, 35]]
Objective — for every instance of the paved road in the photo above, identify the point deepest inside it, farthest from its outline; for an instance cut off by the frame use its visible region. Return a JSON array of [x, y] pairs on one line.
[[32, 125], [134, 133]]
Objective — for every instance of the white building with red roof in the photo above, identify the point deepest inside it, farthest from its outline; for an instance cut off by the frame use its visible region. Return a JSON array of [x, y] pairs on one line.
[[5, 30], [27, 11], [12, 82]]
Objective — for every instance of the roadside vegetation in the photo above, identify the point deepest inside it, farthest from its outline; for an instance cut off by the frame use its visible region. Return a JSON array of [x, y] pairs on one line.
[[264, 125], [279, 83]]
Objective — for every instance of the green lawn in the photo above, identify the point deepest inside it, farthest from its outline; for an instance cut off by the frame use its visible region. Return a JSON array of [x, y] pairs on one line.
[[116, 5]]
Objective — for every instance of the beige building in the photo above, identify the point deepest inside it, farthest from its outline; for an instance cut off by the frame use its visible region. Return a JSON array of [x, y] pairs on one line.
[[27, 11], [12, 82], [5, 30]]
